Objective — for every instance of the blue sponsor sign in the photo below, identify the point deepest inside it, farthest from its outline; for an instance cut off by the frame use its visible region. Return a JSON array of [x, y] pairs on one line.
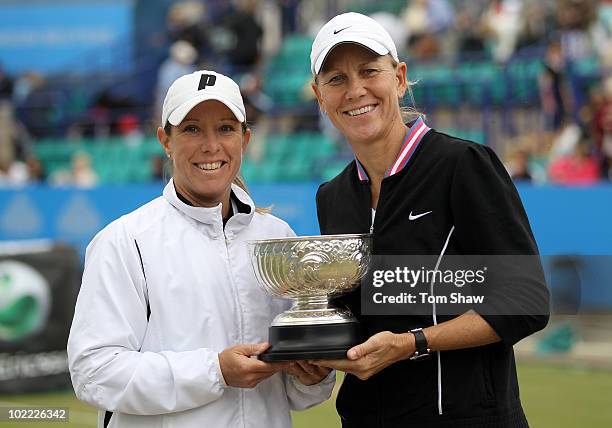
[[564, 220], [64, 35], [74, 216], [572, 225]]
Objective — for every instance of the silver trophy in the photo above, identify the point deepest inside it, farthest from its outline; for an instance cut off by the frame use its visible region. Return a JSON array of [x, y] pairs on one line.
[[310, 270]]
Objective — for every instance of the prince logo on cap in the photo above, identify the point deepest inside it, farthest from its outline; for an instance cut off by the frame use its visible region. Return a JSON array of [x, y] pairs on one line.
[[188, 91], [207, 80]]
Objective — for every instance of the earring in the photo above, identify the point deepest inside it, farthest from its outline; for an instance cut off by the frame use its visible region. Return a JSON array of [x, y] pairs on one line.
[[169, 155]]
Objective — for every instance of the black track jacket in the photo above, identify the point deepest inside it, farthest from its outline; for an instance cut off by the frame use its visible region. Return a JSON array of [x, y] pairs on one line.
[[469, 192]]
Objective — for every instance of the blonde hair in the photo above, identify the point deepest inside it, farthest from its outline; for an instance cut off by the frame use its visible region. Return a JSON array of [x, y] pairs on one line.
[[239, 181], [408, 113]]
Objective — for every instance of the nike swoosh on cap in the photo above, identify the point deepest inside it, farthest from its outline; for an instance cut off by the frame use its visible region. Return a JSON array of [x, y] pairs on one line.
[[342, 29], [414, 217]]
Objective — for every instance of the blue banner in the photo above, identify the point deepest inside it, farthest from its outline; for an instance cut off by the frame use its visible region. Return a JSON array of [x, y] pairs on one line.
[[571, 223], [74, 216], [564, 220], [65, 36]]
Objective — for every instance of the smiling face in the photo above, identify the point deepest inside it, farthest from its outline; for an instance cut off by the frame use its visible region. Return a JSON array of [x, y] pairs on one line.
[[360, 91], [206, 151]]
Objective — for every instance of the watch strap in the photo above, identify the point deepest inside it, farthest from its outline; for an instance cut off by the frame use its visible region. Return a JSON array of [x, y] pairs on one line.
[[422, 350]]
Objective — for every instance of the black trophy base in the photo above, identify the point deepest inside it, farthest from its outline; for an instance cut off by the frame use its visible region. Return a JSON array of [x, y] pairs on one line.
[[311, 342]]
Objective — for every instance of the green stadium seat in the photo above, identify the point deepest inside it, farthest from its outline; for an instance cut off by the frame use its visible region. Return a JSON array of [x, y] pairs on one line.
[[333, 169], [247, 170], [475, 135]]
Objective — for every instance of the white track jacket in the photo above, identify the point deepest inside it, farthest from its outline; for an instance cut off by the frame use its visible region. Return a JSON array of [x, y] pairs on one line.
[[165, 289]]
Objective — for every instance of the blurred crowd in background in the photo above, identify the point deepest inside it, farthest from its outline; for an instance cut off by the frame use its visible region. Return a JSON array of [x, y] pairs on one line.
[[531, 78]]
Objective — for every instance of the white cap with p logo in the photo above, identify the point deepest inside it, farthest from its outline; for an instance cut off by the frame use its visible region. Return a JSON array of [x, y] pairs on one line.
[[191, 89]]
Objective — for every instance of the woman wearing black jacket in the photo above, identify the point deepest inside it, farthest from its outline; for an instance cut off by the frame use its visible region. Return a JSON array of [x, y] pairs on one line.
[[421, 192]]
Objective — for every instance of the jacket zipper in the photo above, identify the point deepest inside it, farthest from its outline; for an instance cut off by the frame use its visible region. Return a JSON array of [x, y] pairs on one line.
[[238, 306], [371, 217], [227, 241], [435, 319]]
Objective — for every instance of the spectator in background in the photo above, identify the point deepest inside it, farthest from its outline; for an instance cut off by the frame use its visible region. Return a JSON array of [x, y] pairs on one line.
[[469, 38], [12, 173], [603, 34], [467, 33], [81, 174], [427, 16], [415, 20], [538, 21], [36, 172], [186, 21], [554, 96], [574, 18], [128, 127], [518, 166], [565, 140], [181, 61], [158, 172], [104, 115], [36, 111], [289, 16], [602, 129], [394, 26], [440, 15], [577, 168], [6, 85], [427, 21], [244, 54], [14, 138], [257, 104], [23, 85], [501, 26]]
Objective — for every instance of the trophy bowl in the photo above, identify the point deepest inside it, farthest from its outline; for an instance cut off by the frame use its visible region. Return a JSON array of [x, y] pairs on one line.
[[310, 270]]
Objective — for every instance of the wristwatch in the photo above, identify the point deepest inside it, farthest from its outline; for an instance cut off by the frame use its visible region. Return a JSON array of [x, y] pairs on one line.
[[422, 348]]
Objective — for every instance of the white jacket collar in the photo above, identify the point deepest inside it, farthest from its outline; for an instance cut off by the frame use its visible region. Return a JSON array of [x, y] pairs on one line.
[[212, 215]]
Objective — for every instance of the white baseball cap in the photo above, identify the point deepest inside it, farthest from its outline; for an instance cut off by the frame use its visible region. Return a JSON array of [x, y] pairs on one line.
[[350, 27], [191, 89]]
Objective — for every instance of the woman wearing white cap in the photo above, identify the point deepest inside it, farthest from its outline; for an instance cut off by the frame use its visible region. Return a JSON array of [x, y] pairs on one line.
[[421, 192], [169, 313]]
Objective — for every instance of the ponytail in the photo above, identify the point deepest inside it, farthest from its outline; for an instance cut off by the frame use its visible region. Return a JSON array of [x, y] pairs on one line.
[[239, 181]]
